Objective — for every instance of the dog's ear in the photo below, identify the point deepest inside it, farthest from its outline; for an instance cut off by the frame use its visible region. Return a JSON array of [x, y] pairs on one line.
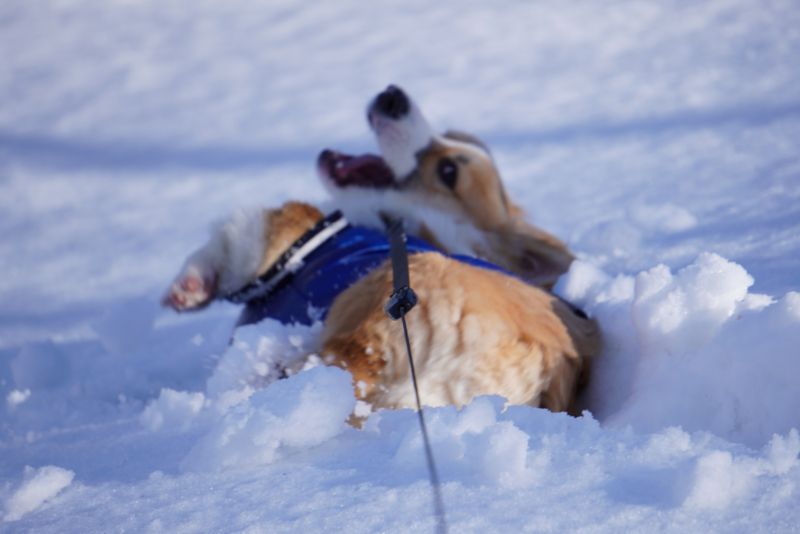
[[530, 253], [464, 137]]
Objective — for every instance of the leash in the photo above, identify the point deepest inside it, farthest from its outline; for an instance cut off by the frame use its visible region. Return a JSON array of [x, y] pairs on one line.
[[402, 300]]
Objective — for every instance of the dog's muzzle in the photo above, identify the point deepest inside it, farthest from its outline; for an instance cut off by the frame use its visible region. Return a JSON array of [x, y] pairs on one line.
[[392, 103], [366, 170]]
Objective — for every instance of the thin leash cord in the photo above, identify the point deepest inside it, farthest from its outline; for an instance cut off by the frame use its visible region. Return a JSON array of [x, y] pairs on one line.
[[401, 302], [438, 503]]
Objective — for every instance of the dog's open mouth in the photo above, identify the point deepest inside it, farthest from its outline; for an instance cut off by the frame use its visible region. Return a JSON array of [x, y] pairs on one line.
[[367, 170]]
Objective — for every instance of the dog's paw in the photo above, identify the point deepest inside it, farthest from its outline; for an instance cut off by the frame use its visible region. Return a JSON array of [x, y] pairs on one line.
[[193, 289]]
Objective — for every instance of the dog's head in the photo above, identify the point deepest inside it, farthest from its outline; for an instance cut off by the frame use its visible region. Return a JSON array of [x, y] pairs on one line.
[[454, 171], [447, 188]]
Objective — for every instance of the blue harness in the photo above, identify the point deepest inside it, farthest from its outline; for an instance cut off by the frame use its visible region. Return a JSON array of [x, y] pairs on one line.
[[302, 285]]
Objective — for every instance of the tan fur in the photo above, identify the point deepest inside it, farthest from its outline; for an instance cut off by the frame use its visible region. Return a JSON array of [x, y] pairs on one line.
[[283, 227], [474, 332], [480, 198], [528, 251]]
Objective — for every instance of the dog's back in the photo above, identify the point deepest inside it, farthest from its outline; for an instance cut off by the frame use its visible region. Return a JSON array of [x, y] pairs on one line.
[[474, 332]]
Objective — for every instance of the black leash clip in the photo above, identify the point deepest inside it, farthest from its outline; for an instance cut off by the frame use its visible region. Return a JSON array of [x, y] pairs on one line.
[[401, 302]]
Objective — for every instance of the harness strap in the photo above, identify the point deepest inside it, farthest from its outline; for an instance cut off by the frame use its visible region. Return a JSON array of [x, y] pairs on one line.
[[290, 261]]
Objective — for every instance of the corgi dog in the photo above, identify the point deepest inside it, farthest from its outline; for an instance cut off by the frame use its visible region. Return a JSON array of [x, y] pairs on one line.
[[445, 187], [476, 330]]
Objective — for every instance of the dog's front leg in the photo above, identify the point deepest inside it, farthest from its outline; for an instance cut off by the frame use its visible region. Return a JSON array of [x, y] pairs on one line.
[[231, 258], [195, 286]]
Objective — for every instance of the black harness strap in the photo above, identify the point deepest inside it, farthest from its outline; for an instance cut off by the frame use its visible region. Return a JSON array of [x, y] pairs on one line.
[[285, 266], [401, 301]]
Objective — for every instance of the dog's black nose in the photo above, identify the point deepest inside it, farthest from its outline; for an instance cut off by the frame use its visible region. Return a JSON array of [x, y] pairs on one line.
[[393, 102]]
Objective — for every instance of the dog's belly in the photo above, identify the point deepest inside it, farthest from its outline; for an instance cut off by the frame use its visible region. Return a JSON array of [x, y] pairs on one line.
[[474, 332]]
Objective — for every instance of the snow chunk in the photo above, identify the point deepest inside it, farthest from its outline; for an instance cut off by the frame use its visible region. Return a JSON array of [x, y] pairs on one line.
[[17, 397], [38, 486], [718, 481], [782, 452], [173, 409], [302, 411], [470, 444], [503, 452], [687, 309], [666, 445], [581, 282], [259, 355]]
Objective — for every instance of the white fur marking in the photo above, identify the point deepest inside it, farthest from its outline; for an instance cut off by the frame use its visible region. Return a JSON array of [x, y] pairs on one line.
[[400, 139]]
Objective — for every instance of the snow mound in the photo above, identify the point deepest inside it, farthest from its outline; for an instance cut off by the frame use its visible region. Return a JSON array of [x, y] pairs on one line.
[[172, 409], [301, 412], [693, 349], [472, 444], [37, 487], [258, 355], [16, 397], [719, 479]]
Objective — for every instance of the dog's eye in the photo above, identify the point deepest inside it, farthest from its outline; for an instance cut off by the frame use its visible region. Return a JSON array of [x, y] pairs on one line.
[[448, 172]]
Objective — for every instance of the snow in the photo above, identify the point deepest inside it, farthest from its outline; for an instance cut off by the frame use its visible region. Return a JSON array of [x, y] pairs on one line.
[[694, 349], [657, 138], [172, 409], [304, 412], [16, 397], [38, 486]]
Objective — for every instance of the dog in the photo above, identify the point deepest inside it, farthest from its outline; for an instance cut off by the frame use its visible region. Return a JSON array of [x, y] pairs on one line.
[[476, 330], [482, 331]]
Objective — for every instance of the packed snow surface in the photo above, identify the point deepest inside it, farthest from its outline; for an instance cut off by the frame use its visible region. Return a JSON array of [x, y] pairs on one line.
[[659, 139]]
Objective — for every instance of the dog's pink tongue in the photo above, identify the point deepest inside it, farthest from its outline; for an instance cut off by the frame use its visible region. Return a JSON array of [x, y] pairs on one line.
[[367, 170], [354, 163]]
